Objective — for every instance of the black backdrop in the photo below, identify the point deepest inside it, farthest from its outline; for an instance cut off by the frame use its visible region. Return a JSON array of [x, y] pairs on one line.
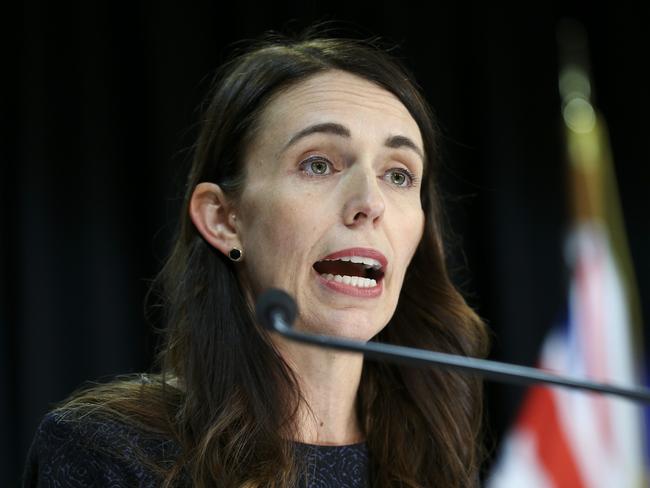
[[99, 105]]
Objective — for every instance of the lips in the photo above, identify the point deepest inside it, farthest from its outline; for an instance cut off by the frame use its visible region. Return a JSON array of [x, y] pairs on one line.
[[360, 252], [358, 261]]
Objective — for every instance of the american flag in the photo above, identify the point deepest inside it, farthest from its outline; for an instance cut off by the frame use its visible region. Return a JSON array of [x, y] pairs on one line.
[[571, 439]]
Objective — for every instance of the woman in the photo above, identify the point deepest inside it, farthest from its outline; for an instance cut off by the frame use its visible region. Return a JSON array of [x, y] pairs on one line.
[[314, 172]]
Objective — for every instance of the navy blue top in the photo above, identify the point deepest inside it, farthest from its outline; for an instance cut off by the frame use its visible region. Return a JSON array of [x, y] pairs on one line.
[[82, 453]]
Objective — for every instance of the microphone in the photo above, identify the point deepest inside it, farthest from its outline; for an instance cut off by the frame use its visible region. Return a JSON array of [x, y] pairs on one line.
[[276, 310], [275, 304]]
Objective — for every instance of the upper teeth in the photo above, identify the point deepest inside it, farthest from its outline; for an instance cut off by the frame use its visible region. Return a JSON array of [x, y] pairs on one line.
[[367, 262]]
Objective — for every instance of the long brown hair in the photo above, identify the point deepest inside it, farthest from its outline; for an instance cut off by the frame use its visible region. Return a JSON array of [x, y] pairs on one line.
[[224, 393]]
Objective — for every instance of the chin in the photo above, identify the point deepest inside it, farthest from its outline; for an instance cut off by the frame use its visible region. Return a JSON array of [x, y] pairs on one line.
[[354, 330]]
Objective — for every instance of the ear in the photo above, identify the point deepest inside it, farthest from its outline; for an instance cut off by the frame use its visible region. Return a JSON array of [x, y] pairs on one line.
[[213, 217]]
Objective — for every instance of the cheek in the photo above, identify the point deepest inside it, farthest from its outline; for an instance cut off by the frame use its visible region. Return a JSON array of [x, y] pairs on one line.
[[276, 235], [408, 232], [284, 221], [407, 235], [419, 231]]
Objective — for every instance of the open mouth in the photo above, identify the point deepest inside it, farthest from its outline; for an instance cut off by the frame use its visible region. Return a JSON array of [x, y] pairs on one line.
[[357, 271]]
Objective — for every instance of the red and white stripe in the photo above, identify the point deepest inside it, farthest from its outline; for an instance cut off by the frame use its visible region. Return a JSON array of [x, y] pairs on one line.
[[565, 438]]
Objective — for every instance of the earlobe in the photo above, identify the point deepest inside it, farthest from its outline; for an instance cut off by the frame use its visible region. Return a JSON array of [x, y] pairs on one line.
[[212, 216]]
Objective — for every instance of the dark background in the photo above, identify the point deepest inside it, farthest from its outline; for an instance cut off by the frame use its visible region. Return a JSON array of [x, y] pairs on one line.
[[98, 108]]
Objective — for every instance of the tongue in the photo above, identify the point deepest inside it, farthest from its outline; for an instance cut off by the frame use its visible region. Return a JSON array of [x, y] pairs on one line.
[[340, 268]]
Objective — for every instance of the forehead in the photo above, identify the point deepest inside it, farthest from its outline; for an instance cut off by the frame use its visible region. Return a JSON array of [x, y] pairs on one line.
[[340, 97]]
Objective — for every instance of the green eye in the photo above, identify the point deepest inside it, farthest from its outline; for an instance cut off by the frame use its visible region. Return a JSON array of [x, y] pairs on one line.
[[398, 178], [318, 167], [402, 177]]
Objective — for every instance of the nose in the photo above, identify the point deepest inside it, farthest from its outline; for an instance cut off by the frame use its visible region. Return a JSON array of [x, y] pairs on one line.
[[365, 202]]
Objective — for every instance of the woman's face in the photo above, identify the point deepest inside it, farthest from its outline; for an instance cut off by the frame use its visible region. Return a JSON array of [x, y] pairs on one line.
[[328, 175]]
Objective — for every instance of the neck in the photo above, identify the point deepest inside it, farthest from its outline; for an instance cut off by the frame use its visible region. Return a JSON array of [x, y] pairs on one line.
[[329, 381]]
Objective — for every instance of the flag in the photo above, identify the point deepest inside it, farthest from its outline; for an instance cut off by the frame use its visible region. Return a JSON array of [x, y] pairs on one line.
[[567, 438]]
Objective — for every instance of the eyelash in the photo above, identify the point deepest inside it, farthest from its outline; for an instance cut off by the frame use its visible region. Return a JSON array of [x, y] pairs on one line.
[[411, 177]]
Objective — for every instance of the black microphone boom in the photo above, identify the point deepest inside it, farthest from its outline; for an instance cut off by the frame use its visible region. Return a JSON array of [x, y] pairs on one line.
[[276, 310]]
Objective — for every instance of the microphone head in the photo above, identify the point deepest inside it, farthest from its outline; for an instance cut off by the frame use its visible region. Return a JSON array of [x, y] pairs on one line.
[[275, 300]]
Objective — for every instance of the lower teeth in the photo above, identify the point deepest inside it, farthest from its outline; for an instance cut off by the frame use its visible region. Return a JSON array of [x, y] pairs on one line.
[[357, 281]]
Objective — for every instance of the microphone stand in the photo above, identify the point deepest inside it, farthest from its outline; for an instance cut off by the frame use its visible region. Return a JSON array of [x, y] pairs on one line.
[[275, 315]]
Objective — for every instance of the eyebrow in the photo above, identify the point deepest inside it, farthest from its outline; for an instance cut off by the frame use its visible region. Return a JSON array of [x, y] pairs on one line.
[[393, 142], [396, 142]]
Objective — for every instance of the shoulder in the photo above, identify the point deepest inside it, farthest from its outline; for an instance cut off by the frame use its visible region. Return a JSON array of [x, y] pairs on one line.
[[92, 448]]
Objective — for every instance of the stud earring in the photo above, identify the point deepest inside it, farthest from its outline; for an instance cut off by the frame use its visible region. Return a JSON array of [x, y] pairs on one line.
[[235, 254]]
